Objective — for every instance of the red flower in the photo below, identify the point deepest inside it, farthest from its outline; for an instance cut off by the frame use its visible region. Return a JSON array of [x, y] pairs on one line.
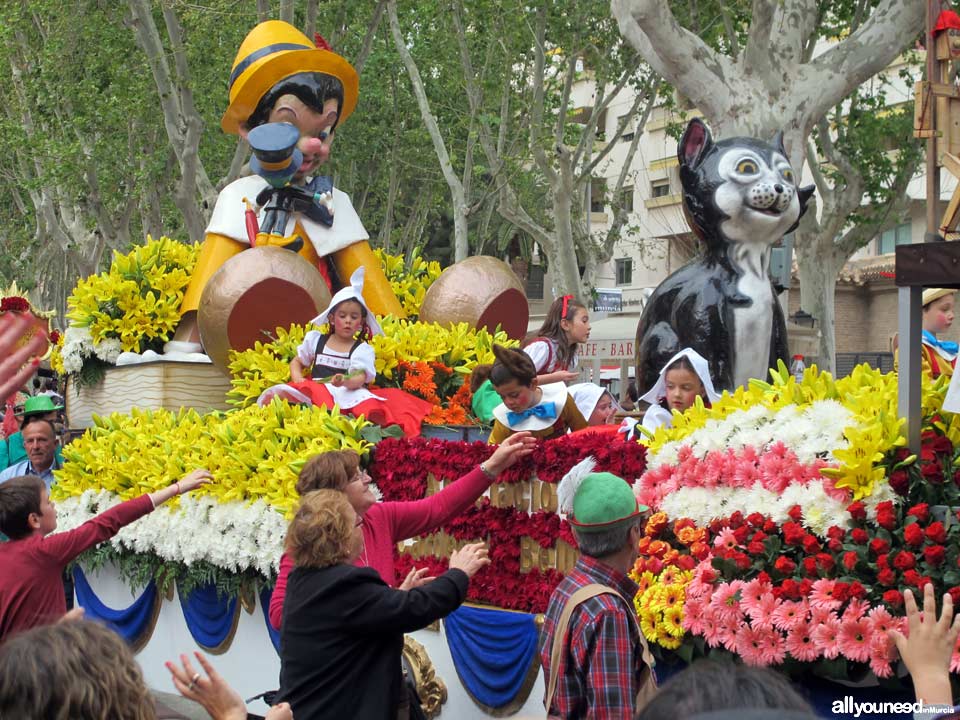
[[857, 590], [879, 546], [686, 562], [882, 561], [859, 536], [913, 535], [790, 588], [934, 554], [900, 482], [825, 561], [741, 534], [742, 560], [14, 304], [836, 533], [834, 545], [894, 598], [784, 565], [769, 527], [736, 520], [904, 561], [936, 532], [755, 548], [886, 516], [810, 544], [793, 534], [857, 510], [887, 577], [810, 566], [795, 513], [850, 560], [756, 520], [920, 511], [955, 594]]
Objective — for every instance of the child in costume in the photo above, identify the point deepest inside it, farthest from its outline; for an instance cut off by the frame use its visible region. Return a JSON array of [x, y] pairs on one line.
[[280, 77], [547, 410], [684, 378], [341, 364], [595, 403], [554, 350]]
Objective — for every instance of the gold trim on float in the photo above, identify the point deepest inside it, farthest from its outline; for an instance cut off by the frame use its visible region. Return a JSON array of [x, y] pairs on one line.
[[431, 689]]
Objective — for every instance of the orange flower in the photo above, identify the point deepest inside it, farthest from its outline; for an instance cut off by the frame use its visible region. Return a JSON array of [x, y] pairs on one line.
[[656, 523], [658, 548]]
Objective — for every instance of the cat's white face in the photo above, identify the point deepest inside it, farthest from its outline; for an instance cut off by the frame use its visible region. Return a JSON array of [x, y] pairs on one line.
[[759, 196]]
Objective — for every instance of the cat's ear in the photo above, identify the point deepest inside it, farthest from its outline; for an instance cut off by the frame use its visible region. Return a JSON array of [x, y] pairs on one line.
[[778, 143], [695, 142]]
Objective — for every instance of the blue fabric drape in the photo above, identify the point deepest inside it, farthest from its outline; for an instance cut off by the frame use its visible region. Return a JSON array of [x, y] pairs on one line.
[[492, 651], [265, 596], [131, 622], [209, 616]]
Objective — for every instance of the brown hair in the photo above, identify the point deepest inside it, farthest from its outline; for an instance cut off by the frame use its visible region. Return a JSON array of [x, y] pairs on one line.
[[552, 329], [19, 497], [328, 471], [365, 333], [512, 365], [480, 374], [682, 363], [320, 533], [72, 671]]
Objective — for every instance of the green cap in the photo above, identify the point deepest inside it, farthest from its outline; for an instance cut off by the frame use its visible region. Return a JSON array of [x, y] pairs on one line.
[[39, 405], [602, 501], [485, 399]]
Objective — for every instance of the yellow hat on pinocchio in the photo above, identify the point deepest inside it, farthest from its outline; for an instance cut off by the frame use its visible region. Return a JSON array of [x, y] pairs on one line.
[[275, 50]]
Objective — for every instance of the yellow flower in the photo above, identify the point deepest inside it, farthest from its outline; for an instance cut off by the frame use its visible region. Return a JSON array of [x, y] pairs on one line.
[[673, 621]]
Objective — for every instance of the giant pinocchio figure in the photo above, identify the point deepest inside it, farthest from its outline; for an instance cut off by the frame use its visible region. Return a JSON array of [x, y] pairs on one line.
[[279, 76]]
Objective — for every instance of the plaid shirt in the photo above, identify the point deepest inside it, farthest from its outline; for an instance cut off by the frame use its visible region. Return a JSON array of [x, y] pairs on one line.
[[601, 663]]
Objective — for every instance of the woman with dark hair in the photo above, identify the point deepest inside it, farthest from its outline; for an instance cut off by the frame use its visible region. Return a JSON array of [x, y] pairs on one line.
[[387, 523], [554, 349], [343, 626]]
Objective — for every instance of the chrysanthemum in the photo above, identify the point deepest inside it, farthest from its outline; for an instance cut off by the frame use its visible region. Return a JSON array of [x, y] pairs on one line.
[[753, 591], [881, 621], [673, 621]]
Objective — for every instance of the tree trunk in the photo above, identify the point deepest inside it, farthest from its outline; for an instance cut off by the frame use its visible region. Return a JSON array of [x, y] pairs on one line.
[[819, 268]]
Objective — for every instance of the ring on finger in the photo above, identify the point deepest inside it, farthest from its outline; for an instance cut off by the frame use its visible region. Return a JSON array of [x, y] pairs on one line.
[[193, 681]]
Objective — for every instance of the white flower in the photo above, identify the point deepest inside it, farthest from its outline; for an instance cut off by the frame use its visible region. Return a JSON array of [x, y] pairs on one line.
[[108, 350]]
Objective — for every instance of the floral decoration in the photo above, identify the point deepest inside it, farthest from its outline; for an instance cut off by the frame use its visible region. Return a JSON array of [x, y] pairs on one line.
[[132, 307], [409, 278]]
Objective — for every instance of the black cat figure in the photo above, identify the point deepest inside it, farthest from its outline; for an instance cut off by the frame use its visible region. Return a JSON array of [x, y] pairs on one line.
[[739, 196]]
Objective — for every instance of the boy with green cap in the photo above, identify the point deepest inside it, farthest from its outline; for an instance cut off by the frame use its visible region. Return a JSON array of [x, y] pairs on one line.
[[595, 660]]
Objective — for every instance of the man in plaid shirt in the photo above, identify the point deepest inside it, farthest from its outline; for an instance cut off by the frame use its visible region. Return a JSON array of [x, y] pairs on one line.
[[603, 662]]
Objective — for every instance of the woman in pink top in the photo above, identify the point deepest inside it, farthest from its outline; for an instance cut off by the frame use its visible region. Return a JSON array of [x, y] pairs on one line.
[[387, 523]]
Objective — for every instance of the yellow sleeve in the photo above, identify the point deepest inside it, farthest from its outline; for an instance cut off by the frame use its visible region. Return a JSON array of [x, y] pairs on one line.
[[499, 433], [572, 415]]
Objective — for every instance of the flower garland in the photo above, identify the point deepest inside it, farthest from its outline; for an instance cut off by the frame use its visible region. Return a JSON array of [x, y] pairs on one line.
[[132, 307]]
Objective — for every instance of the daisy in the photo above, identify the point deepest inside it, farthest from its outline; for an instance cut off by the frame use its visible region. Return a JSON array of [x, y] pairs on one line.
[[821, 596], [726, 601], [761, 613], [854, 639], [826, 637], [751, 645], [790, 614], [881, 620], [673, 621], [726, 539], [693, 616], [800, 642], [753, 591]]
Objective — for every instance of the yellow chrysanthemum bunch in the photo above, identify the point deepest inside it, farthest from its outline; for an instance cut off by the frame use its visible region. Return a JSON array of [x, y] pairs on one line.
[[252, 453], [460, 347], [870, 396], [409, 281], [659, 606], [139, 297]]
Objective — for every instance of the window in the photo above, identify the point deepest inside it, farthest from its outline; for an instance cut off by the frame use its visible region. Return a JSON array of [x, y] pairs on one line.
[[624, 271], [535, 282], [598, 192], [659, 188], [626, 199], [628, 132], [889, 239]]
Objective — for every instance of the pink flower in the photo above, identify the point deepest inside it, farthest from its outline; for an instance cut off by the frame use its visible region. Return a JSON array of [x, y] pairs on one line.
[[730, 630], [832, 491], [821, 596], [725, 539], [800, 643], [712, 469], [819, 615], [749, 455], [774, 647], [773, 472], [882, 654], [790, 614], [711, 628], [693, 612], [761, 611], [881, 621], [745, 475], [754, 590], [826, 637], [854, 639], [750, 645], [855, 610]]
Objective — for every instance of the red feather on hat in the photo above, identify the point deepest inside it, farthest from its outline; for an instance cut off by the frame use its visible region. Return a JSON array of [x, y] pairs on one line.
[[321, 43]]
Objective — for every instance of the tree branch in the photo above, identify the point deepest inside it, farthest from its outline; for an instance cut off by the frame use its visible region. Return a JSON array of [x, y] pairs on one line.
[[368, 39]]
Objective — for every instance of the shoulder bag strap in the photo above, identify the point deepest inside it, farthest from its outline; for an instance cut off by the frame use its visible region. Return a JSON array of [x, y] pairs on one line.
[[560, 634]]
